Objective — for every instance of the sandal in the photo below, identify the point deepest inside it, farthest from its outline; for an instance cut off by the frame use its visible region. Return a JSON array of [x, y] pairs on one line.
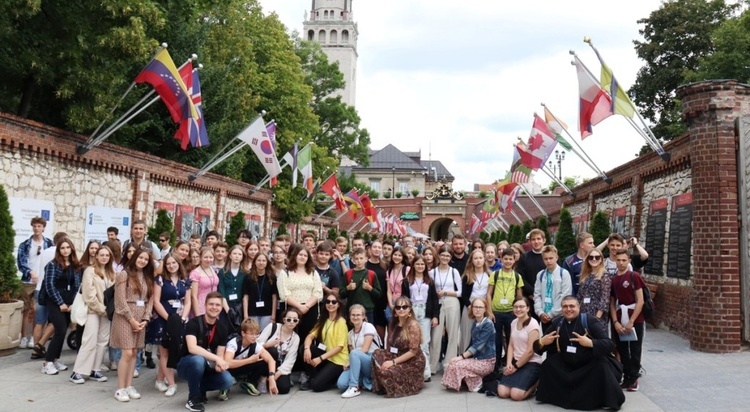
[[39, 352]]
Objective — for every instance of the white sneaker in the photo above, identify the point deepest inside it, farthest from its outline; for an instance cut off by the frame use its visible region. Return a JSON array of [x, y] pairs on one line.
[[351, 392], [104, 368], [30, 343], [171, 390], [24, 343], [113, 366], [122, 396], [161, 386], [136, 373], [49, 369], [132, 393], [60, 366], [76, 378]]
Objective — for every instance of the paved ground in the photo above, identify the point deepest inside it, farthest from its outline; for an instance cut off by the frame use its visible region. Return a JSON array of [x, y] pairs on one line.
[[676, 379]]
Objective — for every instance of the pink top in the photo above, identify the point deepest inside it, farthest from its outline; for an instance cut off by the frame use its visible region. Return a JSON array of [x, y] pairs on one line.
[[395, 280], [520, 339], [208, 281]]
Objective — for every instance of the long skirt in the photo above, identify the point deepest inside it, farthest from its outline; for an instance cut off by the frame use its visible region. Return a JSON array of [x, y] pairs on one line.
[[470, 371], [397, 381]]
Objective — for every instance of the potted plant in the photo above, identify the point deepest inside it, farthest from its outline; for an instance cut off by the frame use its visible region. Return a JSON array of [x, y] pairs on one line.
[[415, 192], [10, 284], [398, 195]]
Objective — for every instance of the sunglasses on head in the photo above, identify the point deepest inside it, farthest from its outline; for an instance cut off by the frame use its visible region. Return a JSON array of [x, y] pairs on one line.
[[594, 257], [331, 302], [401, 307], [292, 320]]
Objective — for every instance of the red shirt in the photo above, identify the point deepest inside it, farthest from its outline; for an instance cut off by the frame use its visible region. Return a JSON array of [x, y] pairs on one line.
[[623, 290]]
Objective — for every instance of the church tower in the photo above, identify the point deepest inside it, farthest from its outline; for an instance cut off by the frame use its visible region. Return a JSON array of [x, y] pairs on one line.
[[330, 24]]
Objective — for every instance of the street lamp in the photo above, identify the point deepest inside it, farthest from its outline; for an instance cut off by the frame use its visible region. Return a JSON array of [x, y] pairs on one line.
[[559, 156], [393, 180]]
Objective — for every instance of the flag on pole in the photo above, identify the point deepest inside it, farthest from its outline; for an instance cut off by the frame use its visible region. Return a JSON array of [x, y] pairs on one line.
[[191, 130], [256, 136], [557, 126], [620, 101], [368, 209], [291, 159], [163, 76], [271, 129], [304, 165], [594, 103], [355, 204], [475, 223], [539, 147], [331, 188]]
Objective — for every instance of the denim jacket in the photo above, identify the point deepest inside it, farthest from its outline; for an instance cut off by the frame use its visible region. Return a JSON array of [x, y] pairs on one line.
[[22, 259], [482, 340]]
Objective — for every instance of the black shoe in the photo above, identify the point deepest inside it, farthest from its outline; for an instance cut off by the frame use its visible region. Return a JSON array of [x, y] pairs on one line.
[[304, 386], [150, 363], [195, 405]]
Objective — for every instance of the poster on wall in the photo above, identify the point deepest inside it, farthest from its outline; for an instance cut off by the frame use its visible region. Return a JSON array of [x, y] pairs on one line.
[[99, 218], [619, 220], [169, 207], [576, 225], [655, 230], [23, 210], [255, 226], [184, 222], [274, 230], [202, 221], [680, 236]]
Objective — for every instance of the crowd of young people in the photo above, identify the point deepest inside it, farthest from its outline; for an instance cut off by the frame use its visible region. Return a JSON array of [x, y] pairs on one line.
[[385, 317]]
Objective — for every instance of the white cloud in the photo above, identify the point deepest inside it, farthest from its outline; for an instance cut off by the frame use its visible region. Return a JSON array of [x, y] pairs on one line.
[[464, 78]]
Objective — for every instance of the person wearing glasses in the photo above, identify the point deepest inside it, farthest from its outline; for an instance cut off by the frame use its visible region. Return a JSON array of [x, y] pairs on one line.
[[595, 287], [478, 360], [521, 372], [448, 288], [164, 247], [325, 359], [363, 340], [282, 342], [248, 361], [397, 369]]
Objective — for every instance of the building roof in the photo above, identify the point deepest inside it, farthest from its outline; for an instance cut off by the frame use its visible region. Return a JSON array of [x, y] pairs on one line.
[[390, 157], [442, 171]]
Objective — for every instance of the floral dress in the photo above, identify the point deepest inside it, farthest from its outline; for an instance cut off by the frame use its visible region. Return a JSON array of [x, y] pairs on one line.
[[594, 294], [405, 378]]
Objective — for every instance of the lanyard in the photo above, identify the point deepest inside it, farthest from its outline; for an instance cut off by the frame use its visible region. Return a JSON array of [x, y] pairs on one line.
[[419, 288], [261, 283], [445, 279], [325, 330], [394, 279], [505, 280], [211, 335], [356, 335], [210, 279], [478, 283]]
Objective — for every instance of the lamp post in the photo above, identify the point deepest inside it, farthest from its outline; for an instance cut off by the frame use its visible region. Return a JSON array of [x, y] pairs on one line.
[[559, 156], [393, 181]]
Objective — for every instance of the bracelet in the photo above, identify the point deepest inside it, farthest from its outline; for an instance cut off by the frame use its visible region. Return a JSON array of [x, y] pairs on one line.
[[541, 345], [394, 362], [462, 356]]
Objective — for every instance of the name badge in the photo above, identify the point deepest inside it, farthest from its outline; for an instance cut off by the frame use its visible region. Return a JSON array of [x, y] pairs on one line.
[[176, 303], [140, 303], [322, 346], [503, 301], [68, 288], [586, 300], [233, 296], [394, 350], [572, 349], [547, 300], [260, 304]]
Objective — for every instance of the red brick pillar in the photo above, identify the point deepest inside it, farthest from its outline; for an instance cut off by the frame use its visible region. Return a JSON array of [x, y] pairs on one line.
[[710, 109]]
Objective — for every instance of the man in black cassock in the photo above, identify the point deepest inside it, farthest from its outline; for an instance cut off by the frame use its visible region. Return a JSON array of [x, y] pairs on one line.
[[580, 371]]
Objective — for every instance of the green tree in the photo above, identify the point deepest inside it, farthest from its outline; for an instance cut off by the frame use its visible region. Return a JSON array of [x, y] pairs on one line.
[[600, 228], [526, 228], [542, 225], [10, 283], [565, 242], [731, 56], [514, 234], [333, 234], [163, 224], [344, 234], [675, 39], [570, 182], [484, 236], [281, 230], [236, 225], [349, 182], [502, 236]]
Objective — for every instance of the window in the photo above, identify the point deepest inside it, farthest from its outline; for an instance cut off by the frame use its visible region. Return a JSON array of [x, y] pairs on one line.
[[403, 187], [345, 36], [333, 37], [375, 186], [311, 35], [325, 15], [322, 36]]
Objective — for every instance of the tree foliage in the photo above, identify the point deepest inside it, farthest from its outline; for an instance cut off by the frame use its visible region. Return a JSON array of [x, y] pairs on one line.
[[10, 283], [542, 225], [236, 225], [565, 242], [570, 182], [162, 224], [676, 37], [600, 228]]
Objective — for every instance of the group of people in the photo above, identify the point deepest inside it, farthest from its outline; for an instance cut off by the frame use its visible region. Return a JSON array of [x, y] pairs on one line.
[[385, 317]]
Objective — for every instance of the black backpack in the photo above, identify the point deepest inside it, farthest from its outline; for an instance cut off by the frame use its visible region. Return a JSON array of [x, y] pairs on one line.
[[648, 301]]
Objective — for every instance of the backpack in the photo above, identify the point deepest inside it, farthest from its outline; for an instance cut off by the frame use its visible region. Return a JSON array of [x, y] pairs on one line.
[[350, 273], [109, 301], [497, 272], [648, 301]]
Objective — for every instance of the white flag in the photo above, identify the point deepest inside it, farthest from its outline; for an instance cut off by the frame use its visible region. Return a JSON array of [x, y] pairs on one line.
[[256, 136]]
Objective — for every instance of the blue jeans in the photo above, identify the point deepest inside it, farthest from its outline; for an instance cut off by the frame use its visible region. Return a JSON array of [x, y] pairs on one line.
[[359, 373], [41, 311], [116, 353], [201, 378]]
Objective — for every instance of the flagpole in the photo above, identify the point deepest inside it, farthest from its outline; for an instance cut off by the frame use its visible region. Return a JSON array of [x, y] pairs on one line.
[[533, 199], [355, 223], [552, 176], [95, 140], [523, 209], [582, 155], [316, 186]]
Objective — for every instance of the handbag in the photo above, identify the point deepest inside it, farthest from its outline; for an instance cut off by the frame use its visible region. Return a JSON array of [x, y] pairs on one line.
[[109, 301], [79, 311]]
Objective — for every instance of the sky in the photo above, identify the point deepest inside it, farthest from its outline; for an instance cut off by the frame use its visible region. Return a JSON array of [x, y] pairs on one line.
[[461, 80]]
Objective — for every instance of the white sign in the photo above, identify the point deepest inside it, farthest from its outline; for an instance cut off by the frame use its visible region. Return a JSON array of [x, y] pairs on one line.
[[23, 210], [99, 218]]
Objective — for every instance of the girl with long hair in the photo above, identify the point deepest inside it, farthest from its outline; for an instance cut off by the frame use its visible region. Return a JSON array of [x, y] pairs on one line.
[[398, 269], [430, 257], [182, 250], [279, 259], [195, 260], [259, 293], [282, 342], [521, 373], [89, 254], [171, 296], [474, 285], [95, 337], [203, 280], [231, 279], [595, 288], [325, 361], [363, 340], [376, 264], [448, 288], [420, 289], [133, 304], [478, 360], [62, 278], [251, 250]]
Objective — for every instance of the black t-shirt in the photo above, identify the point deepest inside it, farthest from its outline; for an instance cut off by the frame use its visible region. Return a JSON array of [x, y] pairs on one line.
[[260, 291], [213, 335], [380, 275], [459, 263], [637, 262], [529, 266]]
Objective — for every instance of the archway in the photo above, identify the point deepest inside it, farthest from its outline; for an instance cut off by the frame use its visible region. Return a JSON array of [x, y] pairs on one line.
[[440, 228]]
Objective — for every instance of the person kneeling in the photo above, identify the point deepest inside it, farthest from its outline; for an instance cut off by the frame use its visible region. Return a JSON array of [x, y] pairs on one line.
[[478, 360], [202, 363], [248, 361], [579, 372]]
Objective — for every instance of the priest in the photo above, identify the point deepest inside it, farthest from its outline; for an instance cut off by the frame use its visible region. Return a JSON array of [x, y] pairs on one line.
[[580, 371]]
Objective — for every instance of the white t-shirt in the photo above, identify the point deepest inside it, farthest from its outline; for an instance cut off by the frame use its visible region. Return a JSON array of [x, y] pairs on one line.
[[356, 340], [46, 257], [234, 347]]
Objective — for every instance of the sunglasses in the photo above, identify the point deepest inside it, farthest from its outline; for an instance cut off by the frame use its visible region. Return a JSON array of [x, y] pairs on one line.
[[594, 257], [445, 256], [401, 307], [38, 250], [292, 320], [332, 302], [162, 240]]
